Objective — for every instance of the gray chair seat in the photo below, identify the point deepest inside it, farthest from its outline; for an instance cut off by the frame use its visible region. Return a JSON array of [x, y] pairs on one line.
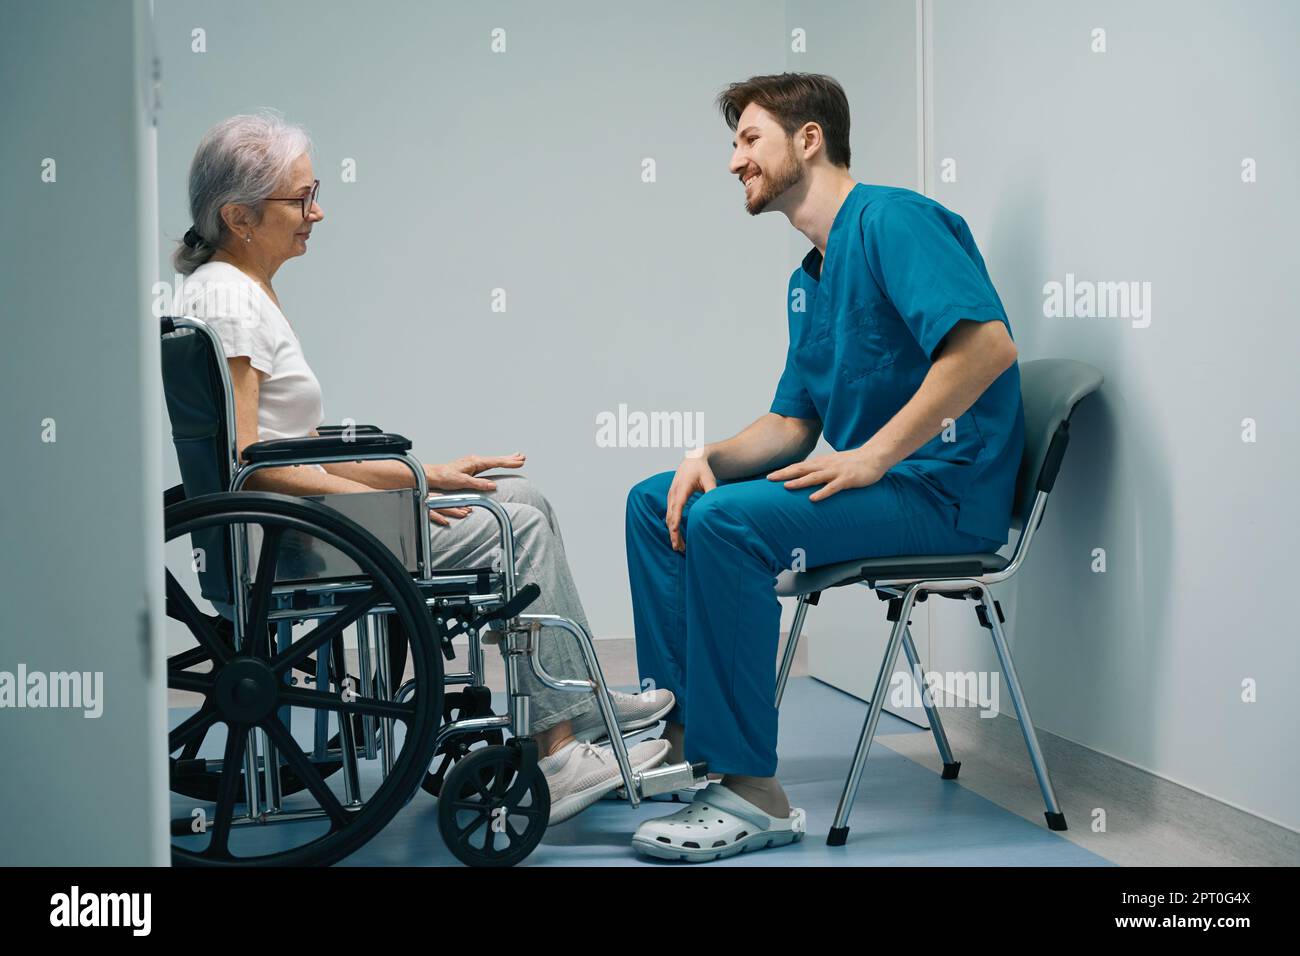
[[914, 567]]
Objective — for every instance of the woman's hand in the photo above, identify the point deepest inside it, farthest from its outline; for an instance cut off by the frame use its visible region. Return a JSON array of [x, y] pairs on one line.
[[440, 515], [459, 475]]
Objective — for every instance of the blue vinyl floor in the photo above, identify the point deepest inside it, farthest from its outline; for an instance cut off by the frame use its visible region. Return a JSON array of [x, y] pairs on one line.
[[905, 814]]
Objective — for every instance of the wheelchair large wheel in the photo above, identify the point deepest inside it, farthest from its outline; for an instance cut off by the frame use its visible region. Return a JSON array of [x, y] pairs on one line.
[[491, 812], [246, 691]]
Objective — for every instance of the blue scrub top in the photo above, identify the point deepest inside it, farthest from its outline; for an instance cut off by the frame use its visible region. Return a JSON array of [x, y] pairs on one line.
[[900, 271]]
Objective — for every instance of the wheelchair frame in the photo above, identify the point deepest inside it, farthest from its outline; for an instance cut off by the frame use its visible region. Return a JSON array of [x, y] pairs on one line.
[[501, 608]]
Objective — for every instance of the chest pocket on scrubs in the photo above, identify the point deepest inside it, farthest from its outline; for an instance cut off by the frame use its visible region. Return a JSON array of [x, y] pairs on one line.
[[862, 344]]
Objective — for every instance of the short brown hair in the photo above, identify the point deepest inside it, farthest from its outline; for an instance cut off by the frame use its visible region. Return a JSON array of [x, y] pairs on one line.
[[795, 99]]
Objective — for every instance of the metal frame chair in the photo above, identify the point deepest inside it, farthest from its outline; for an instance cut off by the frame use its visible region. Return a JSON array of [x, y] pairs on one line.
[[1050, 389]]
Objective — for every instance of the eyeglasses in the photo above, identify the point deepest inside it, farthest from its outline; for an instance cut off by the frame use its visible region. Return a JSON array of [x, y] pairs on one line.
[[306, 201]]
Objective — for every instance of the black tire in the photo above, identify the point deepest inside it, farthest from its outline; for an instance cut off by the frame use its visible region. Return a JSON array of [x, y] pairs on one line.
[[245, 687], [483, 795]]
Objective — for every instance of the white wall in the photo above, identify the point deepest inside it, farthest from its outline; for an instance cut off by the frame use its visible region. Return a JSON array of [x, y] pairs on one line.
[[80, 518], [1127, 166], [522, 171]]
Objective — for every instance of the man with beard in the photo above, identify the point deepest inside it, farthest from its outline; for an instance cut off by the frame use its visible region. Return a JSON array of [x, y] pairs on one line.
[[901, 355]]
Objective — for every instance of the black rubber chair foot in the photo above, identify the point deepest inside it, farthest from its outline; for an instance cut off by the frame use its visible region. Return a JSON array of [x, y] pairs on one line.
[[838, 836], [1055, 821], [950, 770]]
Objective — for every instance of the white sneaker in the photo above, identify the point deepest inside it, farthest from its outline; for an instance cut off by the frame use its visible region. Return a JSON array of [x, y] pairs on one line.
[[632, 711], [579, 774]]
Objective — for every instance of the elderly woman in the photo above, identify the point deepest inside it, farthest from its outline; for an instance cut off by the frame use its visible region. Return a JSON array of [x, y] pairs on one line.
[[253, 201]]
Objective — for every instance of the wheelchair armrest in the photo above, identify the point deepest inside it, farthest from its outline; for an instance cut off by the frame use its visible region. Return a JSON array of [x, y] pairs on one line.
[[326, 431], [305, 450]]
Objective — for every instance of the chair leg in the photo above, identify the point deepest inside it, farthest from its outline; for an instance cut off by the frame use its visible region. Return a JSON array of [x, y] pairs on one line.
[[367, 675], [321, 717], [382, 679], [992, 619], [787, 659], [476, 657], [252, 796], [840, 829], [347, 736], [950, 767]]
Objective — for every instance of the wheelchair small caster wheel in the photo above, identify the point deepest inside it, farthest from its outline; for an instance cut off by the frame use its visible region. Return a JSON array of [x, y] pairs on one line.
[[492, 812], [460, 705]]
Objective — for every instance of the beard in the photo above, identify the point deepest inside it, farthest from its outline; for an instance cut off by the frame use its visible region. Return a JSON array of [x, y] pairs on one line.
[[772, 185]]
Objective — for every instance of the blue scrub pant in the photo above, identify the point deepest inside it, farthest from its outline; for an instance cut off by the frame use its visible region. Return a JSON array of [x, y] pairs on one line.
[[708, 621]]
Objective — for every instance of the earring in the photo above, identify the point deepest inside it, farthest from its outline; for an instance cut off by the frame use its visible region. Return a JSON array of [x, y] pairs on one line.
[[248, 238]]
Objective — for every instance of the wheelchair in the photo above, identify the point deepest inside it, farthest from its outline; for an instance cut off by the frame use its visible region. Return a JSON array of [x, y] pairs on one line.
[[293, 748]]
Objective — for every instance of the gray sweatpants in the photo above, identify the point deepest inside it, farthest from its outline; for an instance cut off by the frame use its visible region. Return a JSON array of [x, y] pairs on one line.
[[475, 541]]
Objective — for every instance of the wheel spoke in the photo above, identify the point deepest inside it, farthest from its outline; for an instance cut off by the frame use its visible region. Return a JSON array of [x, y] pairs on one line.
[[340, 621], [500, 780], [188, 680], [481, 786], [259, 604], [197, 622], [321, 700], [191, 730], [187, 659], [306, 771], [228, 790]]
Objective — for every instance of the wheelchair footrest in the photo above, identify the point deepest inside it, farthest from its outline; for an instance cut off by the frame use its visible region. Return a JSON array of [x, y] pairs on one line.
[[669, 777]]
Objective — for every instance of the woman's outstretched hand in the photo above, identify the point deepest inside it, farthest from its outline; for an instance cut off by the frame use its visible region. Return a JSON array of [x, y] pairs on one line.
[[459, 475]]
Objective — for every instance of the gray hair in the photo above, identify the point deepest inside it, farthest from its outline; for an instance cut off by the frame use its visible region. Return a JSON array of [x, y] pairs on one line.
[[240, 160]]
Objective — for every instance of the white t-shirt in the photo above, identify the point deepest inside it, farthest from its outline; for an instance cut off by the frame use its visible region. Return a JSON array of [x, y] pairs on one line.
[[248, 323]]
